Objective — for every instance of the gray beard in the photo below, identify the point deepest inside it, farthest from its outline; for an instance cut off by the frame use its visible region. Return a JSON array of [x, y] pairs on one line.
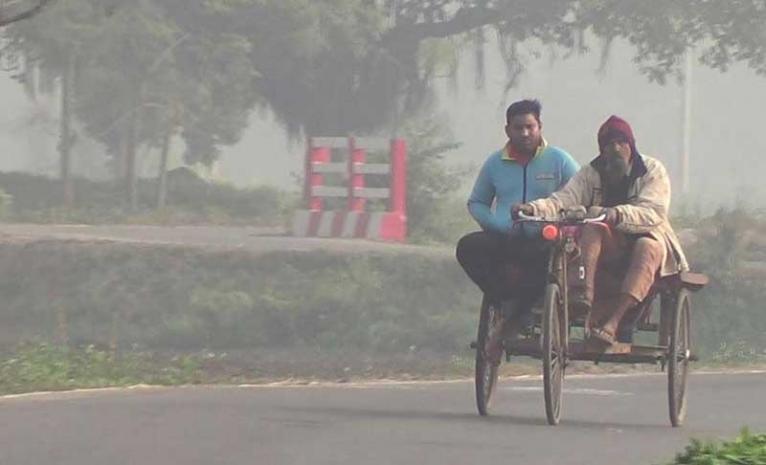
[[615, 171]]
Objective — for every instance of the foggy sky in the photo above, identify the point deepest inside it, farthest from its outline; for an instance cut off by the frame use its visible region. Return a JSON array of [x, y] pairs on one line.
[[728, 142]]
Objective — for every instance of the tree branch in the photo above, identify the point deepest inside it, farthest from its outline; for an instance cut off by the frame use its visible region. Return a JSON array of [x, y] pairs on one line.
[[464, 20], [27, 13]]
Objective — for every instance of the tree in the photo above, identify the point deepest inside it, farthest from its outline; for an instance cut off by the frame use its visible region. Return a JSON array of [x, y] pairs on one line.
[[661, 31], [17, 10], [336, 66], [143, 75], [149, 71], [129, 60], [50, 45], [431, 204]]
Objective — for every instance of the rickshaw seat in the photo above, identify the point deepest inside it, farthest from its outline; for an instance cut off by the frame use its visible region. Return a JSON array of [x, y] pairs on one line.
[[685, 279], [693, 281]]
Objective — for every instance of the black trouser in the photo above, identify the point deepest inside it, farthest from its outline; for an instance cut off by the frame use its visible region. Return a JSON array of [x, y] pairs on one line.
[[486, 256]]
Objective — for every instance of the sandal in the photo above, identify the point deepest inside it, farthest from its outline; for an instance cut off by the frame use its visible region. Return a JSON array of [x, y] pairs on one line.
[[602, 335]]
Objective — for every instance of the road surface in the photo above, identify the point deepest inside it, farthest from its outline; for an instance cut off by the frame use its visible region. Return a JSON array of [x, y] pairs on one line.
[[606, 420]]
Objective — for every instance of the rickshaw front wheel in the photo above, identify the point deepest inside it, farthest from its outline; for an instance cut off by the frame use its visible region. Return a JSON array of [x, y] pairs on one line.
[[553, 352]]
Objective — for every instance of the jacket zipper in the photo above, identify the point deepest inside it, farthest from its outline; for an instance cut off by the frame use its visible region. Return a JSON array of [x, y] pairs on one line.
[[524, 192]]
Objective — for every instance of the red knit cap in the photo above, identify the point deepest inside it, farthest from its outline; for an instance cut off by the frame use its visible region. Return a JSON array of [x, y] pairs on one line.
[[615, 127]]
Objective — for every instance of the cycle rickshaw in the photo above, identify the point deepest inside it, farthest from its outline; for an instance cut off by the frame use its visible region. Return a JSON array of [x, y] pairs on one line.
[[558, 339]]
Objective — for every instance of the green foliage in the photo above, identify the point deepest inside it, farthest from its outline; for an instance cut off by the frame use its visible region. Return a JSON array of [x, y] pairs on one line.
[[42, 367], [738, 352], [38, 199], [14, 14], [147, 72], [183, 299], [176, 299], [5, 203], [746, 449], [729, 313], [444, 222], [331, 66], [661, 32], [329, 302], [321, 68], [144, 69], [435, 213]]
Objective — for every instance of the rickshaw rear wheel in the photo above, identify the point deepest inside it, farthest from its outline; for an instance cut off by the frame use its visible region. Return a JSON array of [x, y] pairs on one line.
[[678, 357]]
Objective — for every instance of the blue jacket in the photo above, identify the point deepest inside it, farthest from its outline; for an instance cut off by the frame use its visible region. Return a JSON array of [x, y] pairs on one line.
[[505, 181]]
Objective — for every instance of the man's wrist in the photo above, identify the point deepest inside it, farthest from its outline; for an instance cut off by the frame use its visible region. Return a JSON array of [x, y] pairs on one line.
[[612, 216]]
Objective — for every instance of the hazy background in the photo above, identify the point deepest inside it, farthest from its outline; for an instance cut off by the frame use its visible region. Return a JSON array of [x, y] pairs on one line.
[[728, 141], [234, 87]]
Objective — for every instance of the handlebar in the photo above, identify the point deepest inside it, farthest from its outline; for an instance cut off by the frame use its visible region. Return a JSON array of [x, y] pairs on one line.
[[562, 219]]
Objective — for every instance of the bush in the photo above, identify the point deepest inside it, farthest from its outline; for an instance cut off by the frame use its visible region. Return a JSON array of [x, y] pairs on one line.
[[729, 313], [182, 299], [5, 204], [189, 200], [747, 449], [435, 213], [164, 297], [45, 367]]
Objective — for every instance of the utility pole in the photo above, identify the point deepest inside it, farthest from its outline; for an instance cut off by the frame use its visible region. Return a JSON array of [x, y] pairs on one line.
[[66, 136], [686, 123]]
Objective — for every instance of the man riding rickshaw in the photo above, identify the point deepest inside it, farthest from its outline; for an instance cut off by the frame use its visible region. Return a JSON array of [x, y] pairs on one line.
[[527, 168], [611, 254], [635, 242]]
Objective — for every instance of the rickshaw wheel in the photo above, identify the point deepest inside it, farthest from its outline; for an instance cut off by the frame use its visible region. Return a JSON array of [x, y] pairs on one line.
[[679, 357], [485, 370], [553, 352]]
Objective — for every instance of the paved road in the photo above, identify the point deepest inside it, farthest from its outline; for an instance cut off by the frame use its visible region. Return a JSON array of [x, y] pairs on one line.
[[252, 239], [607, 420]]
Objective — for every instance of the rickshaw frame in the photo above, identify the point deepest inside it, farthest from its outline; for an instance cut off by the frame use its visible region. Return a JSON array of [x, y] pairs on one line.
[[552, 343]]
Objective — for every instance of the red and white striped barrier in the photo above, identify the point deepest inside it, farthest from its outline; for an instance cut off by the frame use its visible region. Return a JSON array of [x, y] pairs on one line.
[[354, 221]]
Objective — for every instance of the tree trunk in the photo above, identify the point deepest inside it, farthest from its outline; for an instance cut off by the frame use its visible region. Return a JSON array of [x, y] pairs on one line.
[[118, 166], [162, 175], [131, 199], [131, 194], [66, 138]]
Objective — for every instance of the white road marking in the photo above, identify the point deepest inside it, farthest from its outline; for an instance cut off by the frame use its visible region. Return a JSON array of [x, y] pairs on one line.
[[370, 385], [581, 391]]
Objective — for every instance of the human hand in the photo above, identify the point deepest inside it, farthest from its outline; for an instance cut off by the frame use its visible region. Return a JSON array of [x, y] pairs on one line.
[[525, 208], [611, 216], [575, 213]]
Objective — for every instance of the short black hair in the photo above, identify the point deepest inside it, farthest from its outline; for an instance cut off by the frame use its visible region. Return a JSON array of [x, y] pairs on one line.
[[523, 107]]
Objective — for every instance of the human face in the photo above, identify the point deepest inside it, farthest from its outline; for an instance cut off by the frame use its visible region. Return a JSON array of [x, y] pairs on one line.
[[617, 152], [524, 132], [618, 147]]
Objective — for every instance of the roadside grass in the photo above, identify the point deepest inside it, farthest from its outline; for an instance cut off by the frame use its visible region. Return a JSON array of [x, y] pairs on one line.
[[36, 367], [746, 449], [42, 367]]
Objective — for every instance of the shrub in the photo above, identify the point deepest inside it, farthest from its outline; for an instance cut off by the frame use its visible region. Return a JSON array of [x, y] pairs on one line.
[[747, 449]]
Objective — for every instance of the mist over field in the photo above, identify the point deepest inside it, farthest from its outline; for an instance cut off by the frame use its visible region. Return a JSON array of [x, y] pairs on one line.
[[143, 116]]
